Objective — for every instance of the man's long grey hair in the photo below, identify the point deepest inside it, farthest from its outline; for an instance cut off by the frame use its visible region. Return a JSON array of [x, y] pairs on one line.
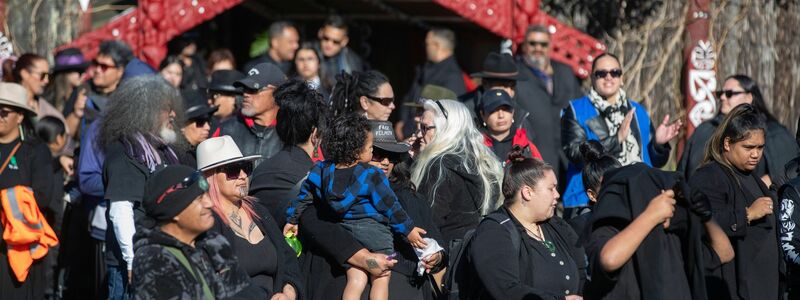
[[133, 118], [457, 135]]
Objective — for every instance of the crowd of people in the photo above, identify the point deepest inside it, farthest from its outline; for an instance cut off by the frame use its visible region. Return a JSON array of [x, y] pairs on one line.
[[288, 179]]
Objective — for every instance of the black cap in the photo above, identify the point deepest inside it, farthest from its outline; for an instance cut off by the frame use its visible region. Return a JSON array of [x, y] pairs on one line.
[[261, 76], [196, 105], [222, 81], [164, 198], [494, 99], [499, 66], [384, 139]]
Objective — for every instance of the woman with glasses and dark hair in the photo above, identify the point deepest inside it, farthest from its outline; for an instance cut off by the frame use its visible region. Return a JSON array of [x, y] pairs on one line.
[[256, 240], [780, 148], [622, 126], [368, 93], [196, 127], [743, 206]]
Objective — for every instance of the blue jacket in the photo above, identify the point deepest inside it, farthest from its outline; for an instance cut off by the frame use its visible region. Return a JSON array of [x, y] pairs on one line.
[[580, 122]]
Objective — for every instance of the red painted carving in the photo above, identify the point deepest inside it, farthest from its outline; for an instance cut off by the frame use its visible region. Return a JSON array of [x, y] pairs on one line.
[[510, 18], [148, 28]]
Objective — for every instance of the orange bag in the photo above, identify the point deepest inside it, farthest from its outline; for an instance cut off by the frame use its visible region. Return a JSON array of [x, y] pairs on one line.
[[26, 232]]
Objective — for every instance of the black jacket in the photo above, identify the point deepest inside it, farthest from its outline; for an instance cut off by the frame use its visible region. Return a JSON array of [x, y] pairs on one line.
[[446, 73], [456, 203], [779, 149], [745, 275], [252, 139], [508, 273], [545, 109], [158, 274], [790, 240], [274, 178], [288, 271], [347, 60], [573, 135]]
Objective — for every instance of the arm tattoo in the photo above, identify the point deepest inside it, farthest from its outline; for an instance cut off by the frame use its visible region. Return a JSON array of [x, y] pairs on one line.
[[372, 264]]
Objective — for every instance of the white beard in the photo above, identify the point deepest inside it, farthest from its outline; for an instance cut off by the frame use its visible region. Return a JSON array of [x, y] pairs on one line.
[[248, 112], [168, 135]]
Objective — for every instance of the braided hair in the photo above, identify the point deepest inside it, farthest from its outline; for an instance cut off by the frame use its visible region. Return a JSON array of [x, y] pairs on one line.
[[350, 88]]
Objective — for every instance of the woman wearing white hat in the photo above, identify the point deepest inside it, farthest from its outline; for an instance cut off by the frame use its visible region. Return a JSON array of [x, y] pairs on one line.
[[257, 242], [23, 162]]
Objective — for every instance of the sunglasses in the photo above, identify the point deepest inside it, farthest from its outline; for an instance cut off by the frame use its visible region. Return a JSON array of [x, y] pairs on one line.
[[233, 171], [187, 182], [615, 73], [42, 75], [4, 112], [200, 122], [335, 42], [103, 67], [728, 93], [379, 156], [537, 43], [384, 101]]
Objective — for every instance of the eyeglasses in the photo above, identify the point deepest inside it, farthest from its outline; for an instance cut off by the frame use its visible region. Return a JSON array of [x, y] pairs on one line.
[[379, 156], [187, 182], [615, 73], [103, 67], [330, 39], [444, 111], [538, 43], [4, 112], [200, 122], [233, 171], [424, 129], [384, 101], [728, 93]]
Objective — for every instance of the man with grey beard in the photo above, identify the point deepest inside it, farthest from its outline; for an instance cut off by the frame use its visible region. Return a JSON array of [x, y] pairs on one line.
[[135, 134], [254, 129], [547, 87]]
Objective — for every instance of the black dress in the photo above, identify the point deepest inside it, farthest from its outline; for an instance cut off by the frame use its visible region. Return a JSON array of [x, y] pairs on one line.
[[758, 268], [31, 166]]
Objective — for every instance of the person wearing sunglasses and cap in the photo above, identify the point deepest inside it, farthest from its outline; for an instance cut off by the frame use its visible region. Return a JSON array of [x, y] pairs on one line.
[[499, 131], [780, 148], [256, 240], [177, 257], [195, 130], [620, 124]]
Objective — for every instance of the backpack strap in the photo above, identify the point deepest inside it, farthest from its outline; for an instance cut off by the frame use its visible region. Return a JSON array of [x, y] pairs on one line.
[[208, 295]]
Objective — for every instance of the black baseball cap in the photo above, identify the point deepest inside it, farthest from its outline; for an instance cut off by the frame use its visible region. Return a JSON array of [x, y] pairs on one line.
[[170, 190], [261, 76], [384, 139], [196, 105], [494, 99], [223, 80]]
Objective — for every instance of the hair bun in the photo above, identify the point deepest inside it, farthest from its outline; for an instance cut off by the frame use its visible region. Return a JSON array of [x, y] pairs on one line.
[[591, 150], [516, 154]]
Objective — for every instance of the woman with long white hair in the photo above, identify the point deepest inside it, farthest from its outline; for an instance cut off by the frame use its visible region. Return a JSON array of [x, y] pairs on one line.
[[455, 170]]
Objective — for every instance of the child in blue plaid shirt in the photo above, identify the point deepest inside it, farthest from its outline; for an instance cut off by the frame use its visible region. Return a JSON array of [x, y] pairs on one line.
[[360, 194]]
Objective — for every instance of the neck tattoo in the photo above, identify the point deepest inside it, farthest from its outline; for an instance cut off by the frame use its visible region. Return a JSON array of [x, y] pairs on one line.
[[235, 219]]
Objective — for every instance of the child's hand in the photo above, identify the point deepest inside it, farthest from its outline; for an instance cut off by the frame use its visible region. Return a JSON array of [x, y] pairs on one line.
[[290, 229], [415, 238]]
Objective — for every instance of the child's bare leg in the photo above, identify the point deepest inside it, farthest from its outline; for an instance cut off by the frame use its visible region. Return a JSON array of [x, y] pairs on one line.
[[356, 283], [380, 288]]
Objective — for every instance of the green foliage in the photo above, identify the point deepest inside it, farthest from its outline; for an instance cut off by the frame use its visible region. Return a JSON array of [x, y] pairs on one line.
[[260, 44]]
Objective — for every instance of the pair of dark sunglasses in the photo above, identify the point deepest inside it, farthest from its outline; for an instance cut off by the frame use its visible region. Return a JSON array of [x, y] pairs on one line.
[[187, 182], [383, 101], [200, 122], [615, 73], [103, 67], [5, 112], [537, 43], [728, 93], [43, 75], [233, 171], [379, 156], [329, 39]]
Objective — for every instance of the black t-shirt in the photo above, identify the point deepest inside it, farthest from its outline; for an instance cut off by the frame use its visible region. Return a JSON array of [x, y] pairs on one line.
[[30, 166], [124, 180], [260, 261]]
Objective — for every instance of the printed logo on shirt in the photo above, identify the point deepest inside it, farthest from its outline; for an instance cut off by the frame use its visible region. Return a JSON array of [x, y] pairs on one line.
[[12, 165]]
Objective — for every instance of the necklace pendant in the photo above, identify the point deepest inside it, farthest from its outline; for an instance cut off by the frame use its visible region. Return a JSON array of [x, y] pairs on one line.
[[550, 246]]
